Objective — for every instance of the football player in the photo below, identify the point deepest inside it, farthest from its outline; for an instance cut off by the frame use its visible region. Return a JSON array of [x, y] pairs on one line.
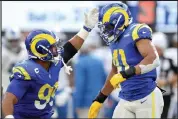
[[12, 46], [134, 59], [31, 91]]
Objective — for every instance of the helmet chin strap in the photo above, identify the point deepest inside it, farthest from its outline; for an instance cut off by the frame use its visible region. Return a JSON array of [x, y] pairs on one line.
[[66, 68]]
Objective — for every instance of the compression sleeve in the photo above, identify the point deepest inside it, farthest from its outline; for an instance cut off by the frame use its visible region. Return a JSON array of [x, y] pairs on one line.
[[69, 51]]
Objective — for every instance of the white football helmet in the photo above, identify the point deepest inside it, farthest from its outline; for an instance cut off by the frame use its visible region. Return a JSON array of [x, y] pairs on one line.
[[160, 40], [12, 39]]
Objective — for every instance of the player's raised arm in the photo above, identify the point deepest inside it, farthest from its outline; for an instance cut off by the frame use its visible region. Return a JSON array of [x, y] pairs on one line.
[[75, 43]]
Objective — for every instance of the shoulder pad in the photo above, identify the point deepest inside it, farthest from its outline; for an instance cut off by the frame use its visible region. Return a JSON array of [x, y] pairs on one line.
[[20, 72], [25, 69], [141, 31]]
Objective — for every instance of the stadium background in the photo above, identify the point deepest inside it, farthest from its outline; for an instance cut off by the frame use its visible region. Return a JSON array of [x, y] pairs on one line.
[[66, 17]]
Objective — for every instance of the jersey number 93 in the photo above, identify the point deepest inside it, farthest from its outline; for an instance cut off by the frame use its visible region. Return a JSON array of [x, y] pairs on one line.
[[46, 98]]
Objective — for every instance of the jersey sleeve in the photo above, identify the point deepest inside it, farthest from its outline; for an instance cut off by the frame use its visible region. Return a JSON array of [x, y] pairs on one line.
[[18, 85], [18, 72], [141, 31]]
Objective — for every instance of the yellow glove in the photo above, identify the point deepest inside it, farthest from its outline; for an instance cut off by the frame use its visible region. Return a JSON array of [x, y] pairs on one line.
[[94, 109], [116, 80]]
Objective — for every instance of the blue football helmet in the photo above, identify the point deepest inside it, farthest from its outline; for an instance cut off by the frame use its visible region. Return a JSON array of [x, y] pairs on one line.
[[42, 44], [113, 19]]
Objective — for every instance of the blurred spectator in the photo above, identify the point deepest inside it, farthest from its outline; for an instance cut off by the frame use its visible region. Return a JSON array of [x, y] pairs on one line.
[[13, 51], [172, 54], [89, 77], [160, 42], [174, 41], [111, 103], [164, 79], [63, 96], [134, 9]]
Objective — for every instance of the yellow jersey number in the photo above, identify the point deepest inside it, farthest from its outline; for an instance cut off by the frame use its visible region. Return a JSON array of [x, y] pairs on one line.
[[120, 54], [50, 94]]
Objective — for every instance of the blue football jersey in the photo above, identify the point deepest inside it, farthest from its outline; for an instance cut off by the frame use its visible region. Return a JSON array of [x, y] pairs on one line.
[[35, 89], [126, 54]]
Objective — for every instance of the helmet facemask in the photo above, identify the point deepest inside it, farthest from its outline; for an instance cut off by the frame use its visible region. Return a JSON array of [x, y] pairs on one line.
[[106, 31], [110, 32], [56, 52]]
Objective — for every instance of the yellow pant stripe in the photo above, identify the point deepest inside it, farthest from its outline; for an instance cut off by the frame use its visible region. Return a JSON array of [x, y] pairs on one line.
[[153, 104]]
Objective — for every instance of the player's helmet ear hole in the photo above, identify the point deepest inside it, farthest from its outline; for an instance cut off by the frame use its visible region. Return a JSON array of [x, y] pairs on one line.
[[42, 46], [41, 50]]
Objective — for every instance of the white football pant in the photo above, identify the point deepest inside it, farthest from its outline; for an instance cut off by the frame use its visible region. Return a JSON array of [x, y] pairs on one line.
[[150, 106]]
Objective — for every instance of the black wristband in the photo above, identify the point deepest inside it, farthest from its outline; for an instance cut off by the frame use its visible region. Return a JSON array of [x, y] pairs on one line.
[[69, 51], [100, 98], [128, 73]]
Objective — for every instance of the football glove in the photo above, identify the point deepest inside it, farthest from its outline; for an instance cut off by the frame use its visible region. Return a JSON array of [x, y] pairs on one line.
[[122, 76], [94, 109], [116, 80], [91, 18]]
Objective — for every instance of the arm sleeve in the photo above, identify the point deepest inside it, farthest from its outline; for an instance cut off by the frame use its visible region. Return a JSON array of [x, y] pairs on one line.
[[80, 77], [141, 31], [69, 51]]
